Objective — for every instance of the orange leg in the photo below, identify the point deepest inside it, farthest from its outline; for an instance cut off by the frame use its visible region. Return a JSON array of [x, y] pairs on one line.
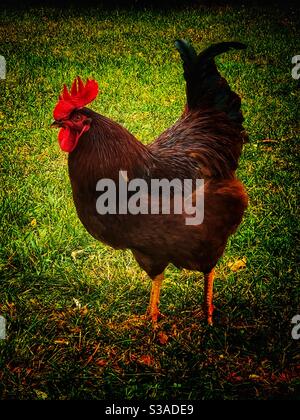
[[208, 296], [153, 310]]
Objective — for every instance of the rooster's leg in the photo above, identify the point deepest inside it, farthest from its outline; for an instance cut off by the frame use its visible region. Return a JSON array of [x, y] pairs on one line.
[[153, 310], [208, 296]]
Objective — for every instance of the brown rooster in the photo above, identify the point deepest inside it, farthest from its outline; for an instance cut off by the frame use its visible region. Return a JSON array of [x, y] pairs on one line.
[[205, 143]]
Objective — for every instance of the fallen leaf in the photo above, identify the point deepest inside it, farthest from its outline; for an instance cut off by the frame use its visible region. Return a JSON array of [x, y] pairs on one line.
[[91, 357], [33, 222], [238, 265], [17, 370], [75, 253], [234, 377], [146, 360], [132, 357], [41, 394], [253, 376], [84, 310], [61, 341], [75, 330], [162, 337], [269, 141], [283, 377], [101, 362]]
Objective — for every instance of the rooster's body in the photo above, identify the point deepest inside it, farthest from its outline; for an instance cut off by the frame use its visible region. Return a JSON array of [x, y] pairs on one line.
[[205, 143]]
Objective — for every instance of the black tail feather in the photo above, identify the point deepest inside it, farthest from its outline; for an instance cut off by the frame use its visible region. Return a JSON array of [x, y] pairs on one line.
[[205, 87]]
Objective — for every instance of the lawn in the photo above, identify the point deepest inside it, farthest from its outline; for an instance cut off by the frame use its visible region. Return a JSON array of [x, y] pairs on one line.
[[72, 303]]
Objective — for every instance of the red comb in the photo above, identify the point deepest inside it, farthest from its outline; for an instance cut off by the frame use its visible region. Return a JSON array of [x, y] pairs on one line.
[[78, 96]]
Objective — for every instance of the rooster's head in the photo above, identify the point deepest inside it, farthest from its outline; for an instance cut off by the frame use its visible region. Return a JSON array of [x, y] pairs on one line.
[[68, 113]]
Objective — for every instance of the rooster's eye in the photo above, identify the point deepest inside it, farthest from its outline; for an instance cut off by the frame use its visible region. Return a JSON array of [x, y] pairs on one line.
[[76, 118]]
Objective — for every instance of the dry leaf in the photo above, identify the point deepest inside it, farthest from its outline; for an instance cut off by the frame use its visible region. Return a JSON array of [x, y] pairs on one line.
[[101, 362], [269, 141], [146, 360], [162, 337], [84, 310], [91, 357], [238, 265], [61, 341], [75, 330], [41, 394], [253, 376], [33, 222], [75, 253], [234, 377]]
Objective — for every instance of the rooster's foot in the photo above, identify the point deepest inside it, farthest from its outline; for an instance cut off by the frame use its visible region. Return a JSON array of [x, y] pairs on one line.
[[205, 313], [153, 314]]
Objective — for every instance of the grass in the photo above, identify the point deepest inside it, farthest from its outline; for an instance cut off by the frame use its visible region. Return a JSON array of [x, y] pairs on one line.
[[70, 302]]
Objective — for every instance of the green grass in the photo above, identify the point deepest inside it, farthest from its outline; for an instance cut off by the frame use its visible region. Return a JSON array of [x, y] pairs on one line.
[[70, 302]]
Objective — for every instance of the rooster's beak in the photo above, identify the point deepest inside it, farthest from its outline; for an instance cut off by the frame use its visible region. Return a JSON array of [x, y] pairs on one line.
[[56, 124]]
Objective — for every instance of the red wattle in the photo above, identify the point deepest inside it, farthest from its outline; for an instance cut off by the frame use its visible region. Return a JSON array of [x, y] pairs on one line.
[[68, 138]]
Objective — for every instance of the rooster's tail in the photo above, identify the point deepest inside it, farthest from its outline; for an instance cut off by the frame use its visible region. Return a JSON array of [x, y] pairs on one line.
[[205, 87]]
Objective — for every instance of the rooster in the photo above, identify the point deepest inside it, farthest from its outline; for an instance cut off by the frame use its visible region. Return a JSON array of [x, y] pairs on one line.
[[205, 143]]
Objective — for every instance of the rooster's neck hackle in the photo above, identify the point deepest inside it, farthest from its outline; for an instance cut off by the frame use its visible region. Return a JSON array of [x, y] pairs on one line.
[[106, 149]]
